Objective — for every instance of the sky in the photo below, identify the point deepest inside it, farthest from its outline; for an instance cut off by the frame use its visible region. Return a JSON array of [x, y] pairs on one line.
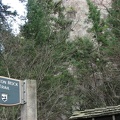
[[21, 11]]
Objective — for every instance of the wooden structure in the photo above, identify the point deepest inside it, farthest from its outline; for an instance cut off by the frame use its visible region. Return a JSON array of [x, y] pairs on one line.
[[107, 113]]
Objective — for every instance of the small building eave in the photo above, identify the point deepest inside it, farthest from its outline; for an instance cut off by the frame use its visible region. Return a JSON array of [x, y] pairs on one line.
[[91, 113]]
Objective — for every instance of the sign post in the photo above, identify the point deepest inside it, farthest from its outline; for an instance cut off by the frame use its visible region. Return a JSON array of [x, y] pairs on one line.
[[17, 92], [29, 110]]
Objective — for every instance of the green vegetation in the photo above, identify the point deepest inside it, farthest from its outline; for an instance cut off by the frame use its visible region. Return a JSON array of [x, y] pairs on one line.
[[70, 76]]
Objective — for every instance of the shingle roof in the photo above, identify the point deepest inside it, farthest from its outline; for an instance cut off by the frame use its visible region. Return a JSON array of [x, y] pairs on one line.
[[96, 112]]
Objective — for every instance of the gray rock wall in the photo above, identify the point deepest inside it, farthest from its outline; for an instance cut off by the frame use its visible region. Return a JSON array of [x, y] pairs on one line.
[[77, 10]]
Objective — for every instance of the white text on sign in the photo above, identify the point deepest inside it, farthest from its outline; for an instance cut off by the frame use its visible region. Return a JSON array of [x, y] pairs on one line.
[[6, 84]]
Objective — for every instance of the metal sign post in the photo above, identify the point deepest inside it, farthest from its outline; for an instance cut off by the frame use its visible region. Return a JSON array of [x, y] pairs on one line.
[[17, 92]]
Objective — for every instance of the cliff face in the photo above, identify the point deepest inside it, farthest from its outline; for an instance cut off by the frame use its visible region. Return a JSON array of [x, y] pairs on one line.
[[77, 11]]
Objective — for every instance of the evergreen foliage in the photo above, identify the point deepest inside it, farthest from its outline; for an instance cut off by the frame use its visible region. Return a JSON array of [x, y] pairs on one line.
[[4, 32], [42, 25], [114, 18], [4, 11], [70, 76], [108, 51], [99, 25]]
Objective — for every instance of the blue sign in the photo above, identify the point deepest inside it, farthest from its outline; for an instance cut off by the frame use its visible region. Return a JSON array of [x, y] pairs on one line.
[[10, 91]]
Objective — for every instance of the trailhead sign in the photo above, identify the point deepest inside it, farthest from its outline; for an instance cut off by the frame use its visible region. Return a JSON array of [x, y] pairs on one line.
[[18, 92], [10, 91]]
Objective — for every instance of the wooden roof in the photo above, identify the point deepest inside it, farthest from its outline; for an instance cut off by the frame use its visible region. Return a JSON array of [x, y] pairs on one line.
[[90, 113]]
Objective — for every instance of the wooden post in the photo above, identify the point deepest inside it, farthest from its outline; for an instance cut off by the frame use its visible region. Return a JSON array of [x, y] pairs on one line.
[[29, 109]]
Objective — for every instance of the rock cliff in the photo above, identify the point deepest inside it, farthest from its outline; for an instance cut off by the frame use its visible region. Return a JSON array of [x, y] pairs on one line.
[[77, 11]]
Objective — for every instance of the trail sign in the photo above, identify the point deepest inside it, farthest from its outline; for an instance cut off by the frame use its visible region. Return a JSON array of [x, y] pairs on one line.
[[17, 92], [11, 91]]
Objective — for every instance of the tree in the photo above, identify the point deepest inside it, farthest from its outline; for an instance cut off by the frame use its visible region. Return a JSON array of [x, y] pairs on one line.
[[5, 31], [33, 55], [48, 35], [114, 18], [70, 75], [4, 11], [42, 25], [104, 66]]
